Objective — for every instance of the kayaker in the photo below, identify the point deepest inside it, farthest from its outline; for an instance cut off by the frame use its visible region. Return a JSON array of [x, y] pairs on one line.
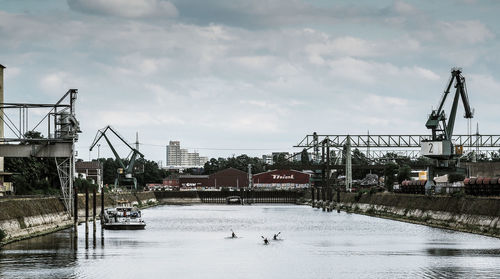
[[265, 240], [275, 237]]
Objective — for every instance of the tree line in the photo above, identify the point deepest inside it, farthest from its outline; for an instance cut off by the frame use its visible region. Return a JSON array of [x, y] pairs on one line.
[[39, 175]]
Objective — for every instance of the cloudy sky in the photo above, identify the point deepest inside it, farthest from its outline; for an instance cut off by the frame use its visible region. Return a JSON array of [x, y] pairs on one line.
[[230, 77]]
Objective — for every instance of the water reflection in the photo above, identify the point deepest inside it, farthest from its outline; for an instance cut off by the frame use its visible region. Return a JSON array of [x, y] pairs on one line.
[[450, 252], [191, 242]]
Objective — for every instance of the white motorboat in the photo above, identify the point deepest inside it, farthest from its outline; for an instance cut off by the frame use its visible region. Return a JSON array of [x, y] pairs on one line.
[[123, 218]]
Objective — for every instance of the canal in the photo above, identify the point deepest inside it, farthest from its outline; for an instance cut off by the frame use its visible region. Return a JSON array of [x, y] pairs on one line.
[[192, 242]]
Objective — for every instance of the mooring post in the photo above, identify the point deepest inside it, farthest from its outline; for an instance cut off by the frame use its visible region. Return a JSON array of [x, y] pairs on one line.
[[86, 210], [323, 174], [94, 208], [75, 211], [338, 199], [102, 205], [327, 179], [312, 196]]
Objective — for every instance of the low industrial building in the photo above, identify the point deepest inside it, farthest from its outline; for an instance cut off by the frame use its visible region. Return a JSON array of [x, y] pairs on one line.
[[234, 179], [229, 178], [193, 181], [6, 186], [92, 170], [282, 179]]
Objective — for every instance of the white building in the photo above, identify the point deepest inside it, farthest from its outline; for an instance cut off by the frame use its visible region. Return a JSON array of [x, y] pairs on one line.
[[182, 158]]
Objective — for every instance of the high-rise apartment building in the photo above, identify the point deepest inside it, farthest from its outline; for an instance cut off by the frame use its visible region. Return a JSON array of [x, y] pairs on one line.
[[174, 153], [178, 157]]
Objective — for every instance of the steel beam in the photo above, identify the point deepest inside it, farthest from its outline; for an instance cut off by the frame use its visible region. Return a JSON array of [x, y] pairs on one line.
[[58, 150]]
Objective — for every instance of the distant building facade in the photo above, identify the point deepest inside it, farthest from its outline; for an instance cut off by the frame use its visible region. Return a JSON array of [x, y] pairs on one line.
[[174, 153], [282, 179], [228, 178], [92, 170], [181, 158]]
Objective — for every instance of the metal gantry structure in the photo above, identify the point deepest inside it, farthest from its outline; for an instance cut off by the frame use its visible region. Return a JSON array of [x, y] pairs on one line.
[[402, 142], [62, 129], [377, 147]]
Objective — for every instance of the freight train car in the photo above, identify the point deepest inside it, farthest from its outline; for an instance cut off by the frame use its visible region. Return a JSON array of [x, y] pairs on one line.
[[413, 186], [482, 186]]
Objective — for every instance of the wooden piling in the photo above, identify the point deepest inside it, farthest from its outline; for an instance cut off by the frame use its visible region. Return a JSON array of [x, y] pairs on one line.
[[102, 206], [94, 208], [75, 211], [87, 211], [312, 196], [323, 197]]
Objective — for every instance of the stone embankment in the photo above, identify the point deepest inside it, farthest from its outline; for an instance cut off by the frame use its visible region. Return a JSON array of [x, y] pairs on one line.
[[178, 197], [25, 217], [479, 215]]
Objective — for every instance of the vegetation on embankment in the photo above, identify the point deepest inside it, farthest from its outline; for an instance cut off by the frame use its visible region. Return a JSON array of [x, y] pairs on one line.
[[15, 208], [478, 215]]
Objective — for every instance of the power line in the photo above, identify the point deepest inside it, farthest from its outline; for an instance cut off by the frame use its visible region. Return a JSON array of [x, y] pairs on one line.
[[213, 148], [203, 148]]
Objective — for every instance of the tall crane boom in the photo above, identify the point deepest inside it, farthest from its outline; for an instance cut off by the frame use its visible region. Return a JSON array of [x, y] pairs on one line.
[[440, 146], [437, 118], [126, 170]]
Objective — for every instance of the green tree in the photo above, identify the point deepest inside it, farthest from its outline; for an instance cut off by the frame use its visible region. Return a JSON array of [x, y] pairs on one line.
[[241, 163], [280, 161], [390, 171], [454, 177], [33, 175], [404, 173], [304, 157]]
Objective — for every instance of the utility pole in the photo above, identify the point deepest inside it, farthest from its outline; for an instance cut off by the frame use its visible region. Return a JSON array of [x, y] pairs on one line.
[[137, 140], [1, 120], [250, 183], [348, 166]]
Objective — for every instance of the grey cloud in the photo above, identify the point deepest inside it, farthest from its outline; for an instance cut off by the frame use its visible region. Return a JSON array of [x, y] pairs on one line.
[[125, 8], [181, 80], [266, 13]]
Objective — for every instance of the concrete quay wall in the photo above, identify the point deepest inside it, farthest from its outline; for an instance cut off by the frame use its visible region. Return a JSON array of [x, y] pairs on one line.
[[25, 217], [468, 214]]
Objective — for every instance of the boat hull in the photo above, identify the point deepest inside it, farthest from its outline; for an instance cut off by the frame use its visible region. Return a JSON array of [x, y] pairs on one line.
[[118, 226]]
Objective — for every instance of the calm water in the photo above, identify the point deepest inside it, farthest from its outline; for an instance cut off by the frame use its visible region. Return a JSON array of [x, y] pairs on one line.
[[191, 242]]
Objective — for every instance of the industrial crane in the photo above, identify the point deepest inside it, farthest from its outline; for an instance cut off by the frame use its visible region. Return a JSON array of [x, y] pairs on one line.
[[125, 172], [440, 147]]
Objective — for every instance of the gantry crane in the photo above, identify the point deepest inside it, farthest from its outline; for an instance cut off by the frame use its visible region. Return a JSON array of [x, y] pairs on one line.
[[440, 147], [125, 172]]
